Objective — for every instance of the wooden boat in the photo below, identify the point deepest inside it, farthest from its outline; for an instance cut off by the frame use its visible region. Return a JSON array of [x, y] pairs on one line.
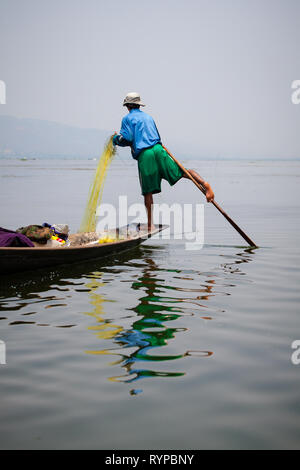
[[18, 259]]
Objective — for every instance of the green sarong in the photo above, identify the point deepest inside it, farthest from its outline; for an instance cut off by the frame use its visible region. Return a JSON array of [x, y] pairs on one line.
[[154, 165]]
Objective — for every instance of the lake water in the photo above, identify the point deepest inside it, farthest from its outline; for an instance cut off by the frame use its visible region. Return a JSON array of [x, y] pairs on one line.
[[159, 347]]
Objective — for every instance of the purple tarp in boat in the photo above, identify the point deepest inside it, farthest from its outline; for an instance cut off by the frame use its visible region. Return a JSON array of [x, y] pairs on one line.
[[11, 238]]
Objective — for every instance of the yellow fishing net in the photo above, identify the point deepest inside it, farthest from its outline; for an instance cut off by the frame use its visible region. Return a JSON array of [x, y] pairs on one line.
[[88, 223]]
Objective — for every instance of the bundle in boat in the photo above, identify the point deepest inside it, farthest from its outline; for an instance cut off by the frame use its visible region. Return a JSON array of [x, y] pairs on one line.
[[127, 232]]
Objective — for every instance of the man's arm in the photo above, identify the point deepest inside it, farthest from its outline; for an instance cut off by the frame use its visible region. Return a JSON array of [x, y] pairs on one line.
[[125, 138], [118, 139]]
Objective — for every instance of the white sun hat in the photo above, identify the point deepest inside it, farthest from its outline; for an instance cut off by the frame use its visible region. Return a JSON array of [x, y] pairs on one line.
[[133, 98]]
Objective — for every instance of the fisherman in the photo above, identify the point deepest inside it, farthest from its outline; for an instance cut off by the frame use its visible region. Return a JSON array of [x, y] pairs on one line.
[[139, 131]]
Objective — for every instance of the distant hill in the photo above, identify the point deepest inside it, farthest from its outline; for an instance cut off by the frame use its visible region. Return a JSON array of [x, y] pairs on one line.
[[37, 138]]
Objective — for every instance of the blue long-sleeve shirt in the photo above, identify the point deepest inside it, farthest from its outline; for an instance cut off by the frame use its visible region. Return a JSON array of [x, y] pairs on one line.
[[138, 130]]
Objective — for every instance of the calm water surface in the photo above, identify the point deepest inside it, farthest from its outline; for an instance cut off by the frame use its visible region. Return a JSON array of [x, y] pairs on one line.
[[158, 347]]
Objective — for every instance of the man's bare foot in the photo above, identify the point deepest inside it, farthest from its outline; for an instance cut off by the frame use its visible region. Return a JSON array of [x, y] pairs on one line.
[[209, 192]]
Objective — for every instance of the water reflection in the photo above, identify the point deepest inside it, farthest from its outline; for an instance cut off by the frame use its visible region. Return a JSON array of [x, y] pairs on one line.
[[145, 334], [104, 328], [167, 299], [141, 347]]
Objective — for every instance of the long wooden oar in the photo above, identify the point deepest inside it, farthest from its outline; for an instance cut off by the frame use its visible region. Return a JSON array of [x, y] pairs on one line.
[[202, 189]]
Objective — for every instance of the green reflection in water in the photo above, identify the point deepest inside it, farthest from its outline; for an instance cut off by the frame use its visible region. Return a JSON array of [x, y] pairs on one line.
[[142, 343], [149, 331]]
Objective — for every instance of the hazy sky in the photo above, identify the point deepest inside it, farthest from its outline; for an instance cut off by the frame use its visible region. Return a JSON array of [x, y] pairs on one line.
[[215, 74]]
